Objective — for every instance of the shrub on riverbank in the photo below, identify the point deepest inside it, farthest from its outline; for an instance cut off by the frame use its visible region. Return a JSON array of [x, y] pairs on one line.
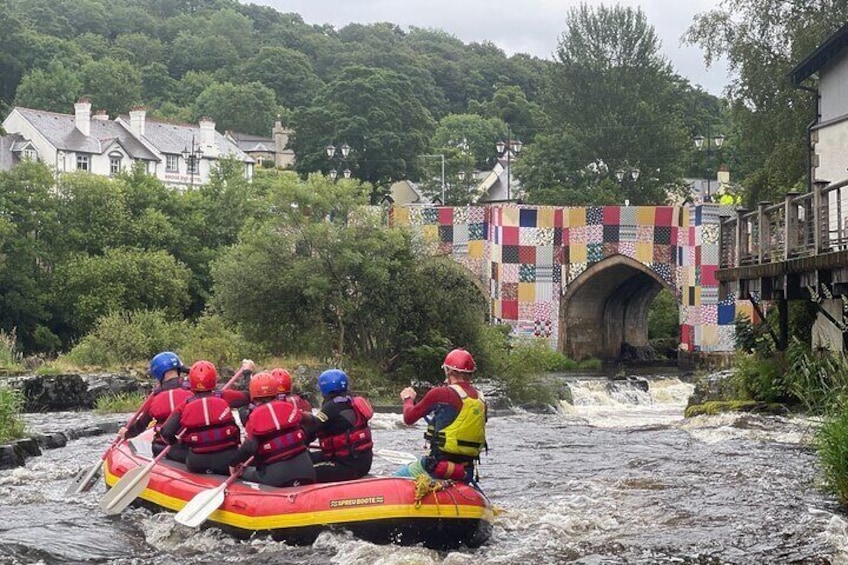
[[119, 403], [832, 447], [11, 406], [10, 358]]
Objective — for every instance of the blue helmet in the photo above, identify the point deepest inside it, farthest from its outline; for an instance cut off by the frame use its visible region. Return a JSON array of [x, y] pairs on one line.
[[164, 362], [332, 380]]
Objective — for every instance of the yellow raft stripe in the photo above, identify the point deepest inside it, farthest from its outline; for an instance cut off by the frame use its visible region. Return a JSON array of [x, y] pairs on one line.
[[321, 517]]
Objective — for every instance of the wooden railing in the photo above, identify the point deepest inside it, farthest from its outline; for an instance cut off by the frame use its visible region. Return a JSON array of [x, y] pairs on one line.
[[802, 225]]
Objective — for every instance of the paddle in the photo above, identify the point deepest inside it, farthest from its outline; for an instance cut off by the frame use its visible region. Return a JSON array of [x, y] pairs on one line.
[[131, 484], [84, 480], [204, 503], [136, 480], [397, 457]]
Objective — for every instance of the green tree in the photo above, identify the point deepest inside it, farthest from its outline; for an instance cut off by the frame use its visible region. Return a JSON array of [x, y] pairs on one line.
[[375, 112], [28, 214], [112, 85], [88, 287], [92, 213], [287, 72], [347, 286], [54, 89], [246, 108], [611, 84], [762, 40]]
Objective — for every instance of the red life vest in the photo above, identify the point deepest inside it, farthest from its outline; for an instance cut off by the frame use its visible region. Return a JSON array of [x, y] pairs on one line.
[[276, 428], [165, 402], [355, 439], [209, 425]]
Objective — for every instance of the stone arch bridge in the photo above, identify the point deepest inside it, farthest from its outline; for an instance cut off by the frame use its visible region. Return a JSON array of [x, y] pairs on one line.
[[584, 277]]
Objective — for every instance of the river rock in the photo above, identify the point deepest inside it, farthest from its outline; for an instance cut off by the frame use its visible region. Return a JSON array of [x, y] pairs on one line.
[[715, 386], [14, 454], [71, 391]]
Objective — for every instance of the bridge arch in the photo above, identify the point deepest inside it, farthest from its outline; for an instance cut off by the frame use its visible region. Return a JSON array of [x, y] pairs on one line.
[[607, 305]]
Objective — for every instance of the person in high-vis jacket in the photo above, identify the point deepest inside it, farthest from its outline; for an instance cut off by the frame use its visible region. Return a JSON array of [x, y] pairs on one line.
[[275, 438], [209, 430], [456, 414]]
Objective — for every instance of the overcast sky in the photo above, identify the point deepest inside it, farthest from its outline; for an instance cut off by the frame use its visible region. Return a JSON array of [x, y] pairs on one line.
[[517, 26]]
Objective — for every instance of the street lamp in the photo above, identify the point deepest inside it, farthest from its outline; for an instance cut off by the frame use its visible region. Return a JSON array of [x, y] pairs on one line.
[[437, 156], [633, 174], [192, 157], [708, 143], [508, 148], [339, 155]]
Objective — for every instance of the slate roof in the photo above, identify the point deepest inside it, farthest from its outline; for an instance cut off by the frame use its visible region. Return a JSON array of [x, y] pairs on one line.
[[254, 143], [61, 131], [173, 138], [831, 47]]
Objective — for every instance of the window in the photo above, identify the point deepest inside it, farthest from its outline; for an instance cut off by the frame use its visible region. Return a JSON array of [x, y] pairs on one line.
[[172, 163], [82, 162], [191, 165], [114, 164], [30, 154]]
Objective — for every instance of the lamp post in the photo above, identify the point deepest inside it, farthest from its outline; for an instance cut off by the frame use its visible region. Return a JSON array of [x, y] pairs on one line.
[[442, 157], [339, 155], [708, 143], [508, 148], [191, 158], [632, 174]]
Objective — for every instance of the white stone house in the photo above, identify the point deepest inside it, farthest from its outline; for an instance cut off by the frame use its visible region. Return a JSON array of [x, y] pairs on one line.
[[79, 142], [82, 142]]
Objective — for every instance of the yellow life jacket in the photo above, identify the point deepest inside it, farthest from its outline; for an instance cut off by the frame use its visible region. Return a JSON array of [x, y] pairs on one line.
[[466, 435]]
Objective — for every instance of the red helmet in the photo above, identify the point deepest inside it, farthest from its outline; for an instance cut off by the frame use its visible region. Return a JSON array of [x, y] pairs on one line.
[[202, 376], [284, 380], [263, 385], [459, 360]]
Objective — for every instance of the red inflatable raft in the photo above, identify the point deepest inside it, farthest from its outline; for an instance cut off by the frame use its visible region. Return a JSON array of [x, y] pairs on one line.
[[440, 515]]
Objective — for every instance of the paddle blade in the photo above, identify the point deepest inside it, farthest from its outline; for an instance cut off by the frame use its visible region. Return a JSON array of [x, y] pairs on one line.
[[201, 507], [396, 457], [126, 489], [85, 479]]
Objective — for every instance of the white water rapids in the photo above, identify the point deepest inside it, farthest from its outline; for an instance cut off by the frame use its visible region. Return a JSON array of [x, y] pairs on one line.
[[618, 477]]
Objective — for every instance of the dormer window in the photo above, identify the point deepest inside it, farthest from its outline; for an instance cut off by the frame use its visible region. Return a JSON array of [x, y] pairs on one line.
[[30, 154], [115, 159]]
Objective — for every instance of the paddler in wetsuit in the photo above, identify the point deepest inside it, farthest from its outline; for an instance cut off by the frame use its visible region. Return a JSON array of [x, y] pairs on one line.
[[457, 422]]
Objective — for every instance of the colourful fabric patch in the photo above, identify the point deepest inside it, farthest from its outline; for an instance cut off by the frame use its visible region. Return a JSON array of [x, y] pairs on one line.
[[527, 291]]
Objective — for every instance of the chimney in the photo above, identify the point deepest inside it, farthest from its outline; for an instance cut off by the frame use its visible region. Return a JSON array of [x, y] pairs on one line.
[[82, 116], [281, 139], [207, 137], [101, 115], [137, 115]]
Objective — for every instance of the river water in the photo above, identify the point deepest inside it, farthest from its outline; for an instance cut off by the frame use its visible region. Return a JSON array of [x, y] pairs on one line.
[[619, 477]]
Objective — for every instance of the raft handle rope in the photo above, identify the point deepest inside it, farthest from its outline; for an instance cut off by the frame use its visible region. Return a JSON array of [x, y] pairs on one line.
[[425, 486]]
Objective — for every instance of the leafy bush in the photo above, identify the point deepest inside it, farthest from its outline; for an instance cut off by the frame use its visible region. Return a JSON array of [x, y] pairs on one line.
[[758, 378], [118, 403], [832, 446], [122, 338], [11, 406], [664, 316], [213, 339], [752, 338]]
